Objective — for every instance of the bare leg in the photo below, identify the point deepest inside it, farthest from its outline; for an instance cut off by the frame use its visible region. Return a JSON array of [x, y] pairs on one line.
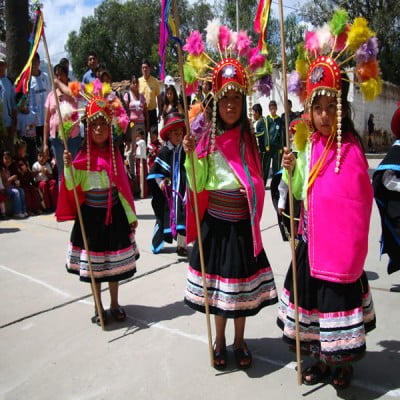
[[98, 292], [220, 343], [113, 288], [238, 342], [116, 311], [242, 353]]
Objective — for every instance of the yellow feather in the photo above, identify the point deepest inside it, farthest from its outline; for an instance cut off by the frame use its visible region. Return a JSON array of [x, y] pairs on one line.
[[371, 88], [89, 88], [302, 68], [199, 63], [359, 33], [301, 136], [106, 89]]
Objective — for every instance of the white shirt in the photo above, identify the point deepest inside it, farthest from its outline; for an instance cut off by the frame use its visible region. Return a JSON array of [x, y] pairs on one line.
[[39, 89]]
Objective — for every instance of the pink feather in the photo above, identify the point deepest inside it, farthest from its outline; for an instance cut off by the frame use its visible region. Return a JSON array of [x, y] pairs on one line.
[[243, 43], [224, 37], [97, 85], [312, 42], [191, 89], [255, 59], [341, 40], [123, 122], [194, 44]]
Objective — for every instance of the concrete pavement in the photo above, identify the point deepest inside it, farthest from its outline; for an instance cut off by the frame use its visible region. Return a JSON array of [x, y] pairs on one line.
[[50, 350]]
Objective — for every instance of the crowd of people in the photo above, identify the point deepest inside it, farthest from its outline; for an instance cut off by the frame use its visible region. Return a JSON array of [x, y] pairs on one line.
[[226, 162]]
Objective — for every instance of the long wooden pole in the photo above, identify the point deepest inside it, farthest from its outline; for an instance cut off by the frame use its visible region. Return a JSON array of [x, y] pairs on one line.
[[290, 194], [61, 128], [196, 207]]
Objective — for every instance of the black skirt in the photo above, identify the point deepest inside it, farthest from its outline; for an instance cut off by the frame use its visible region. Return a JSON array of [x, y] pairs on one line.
[[334, 317], [112, 247], [238, 283]]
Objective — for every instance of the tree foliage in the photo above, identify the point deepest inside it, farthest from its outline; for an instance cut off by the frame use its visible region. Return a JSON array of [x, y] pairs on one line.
[[124, 33], [383, 17]]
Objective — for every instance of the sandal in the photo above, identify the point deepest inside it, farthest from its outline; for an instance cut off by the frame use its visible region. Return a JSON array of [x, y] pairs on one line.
[[182, 252], [220, 358], [315, 374], [343, 375], [96, 319], [243, 357], [118, 314]]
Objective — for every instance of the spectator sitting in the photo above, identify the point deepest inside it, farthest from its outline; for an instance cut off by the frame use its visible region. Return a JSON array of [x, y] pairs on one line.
[[3, 198], [25, 176], [44, 178], [12, 187]]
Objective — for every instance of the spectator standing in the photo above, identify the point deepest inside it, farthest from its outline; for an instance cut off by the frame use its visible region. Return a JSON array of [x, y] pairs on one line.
[[260, 128], [40, 86], [274, 140], [371, 130], [26, 127], [91, 74], [51, 126], [9, 106], [150, 88], [171, 102]]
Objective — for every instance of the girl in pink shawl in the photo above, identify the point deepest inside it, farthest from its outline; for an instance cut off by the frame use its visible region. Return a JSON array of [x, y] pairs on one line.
[[229, 181], [107, 209], [330, 175]]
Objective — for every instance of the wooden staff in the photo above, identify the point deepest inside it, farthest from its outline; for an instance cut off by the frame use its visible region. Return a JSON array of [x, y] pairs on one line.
[[61, 128], [291, 208], [192, 177]]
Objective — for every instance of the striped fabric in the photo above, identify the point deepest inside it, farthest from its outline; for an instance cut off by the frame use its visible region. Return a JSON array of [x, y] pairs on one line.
[[234, 296], [98, 198], [229, 205], [105, 265], [336, 338]]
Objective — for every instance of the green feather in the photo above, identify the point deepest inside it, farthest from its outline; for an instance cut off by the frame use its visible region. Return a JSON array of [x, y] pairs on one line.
[[68, 125], [338, 21], [189, 74]]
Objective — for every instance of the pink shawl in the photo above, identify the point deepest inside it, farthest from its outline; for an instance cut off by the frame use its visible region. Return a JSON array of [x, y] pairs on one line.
[[228, 145], [339, 212], [99, 160]]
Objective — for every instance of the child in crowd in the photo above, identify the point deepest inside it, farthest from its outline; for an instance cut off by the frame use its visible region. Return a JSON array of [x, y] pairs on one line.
[[141, 162], [12, 187], [167, 181], [44, 178], [21, 168], [107, 208], [26, 127], [231, 191], [154, 147]]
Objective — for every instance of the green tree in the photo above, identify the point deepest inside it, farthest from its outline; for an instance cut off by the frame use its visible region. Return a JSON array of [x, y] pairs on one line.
[[383, 17], [247, 11], [122, 34]]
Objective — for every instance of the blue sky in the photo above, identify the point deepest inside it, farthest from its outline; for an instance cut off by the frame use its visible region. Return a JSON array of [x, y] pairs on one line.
[[64, 16]]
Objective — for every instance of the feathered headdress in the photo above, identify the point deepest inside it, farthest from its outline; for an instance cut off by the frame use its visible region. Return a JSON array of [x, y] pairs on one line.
[[239, 65], [118, 118], [323, 57]]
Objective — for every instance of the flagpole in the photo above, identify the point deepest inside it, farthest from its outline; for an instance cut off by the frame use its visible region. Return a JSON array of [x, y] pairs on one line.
[[290, 194], [196, 207], [82, 226]]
